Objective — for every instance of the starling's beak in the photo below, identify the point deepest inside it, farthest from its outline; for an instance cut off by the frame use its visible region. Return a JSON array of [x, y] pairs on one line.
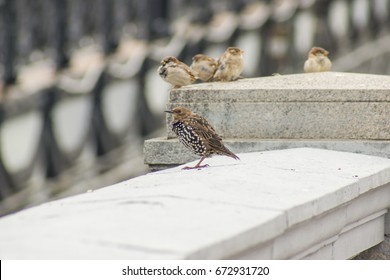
[[170, 112]]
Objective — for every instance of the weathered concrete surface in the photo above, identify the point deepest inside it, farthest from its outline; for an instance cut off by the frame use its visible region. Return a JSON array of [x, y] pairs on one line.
[[297, 120], [162, 152], [380, 251], [284, 204], [330, 110], [308, 87], [326, 105]]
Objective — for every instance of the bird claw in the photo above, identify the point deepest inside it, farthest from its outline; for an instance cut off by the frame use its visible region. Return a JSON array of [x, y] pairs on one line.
[[195, 167]]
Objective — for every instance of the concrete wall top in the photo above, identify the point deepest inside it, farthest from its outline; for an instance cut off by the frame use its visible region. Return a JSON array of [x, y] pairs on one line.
[[213, 213], [329, 105], [310, 87]]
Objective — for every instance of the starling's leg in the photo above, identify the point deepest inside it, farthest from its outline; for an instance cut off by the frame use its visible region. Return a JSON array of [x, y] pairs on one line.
[[197, 165]]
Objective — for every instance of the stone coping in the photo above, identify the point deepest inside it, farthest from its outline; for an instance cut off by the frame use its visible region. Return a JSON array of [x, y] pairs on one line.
[[169, 152], [328, 105], [231, 207], [307, 87]]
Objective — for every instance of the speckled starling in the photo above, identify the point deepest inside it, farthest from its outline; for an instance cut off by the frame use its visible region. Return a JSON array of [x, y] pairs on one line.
[[197, 135]]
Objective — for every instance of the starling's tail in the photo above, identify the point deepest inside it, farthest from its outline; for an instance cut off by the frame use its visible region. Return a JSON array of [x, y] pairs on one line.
[[233, 156], [220, 149], [229, 153]]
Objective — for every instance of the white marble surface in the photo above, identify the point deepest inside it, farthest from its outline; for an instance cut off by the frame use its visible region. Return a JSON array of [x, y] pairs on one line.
[[258, 203]]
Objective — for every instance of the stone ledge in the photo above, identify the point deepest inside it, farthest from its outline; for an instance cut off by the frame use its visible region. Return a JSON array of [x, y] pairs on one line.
[[328, 105], [283, 204], [161, 152], [307, 87], [296, 120], [330, 110]]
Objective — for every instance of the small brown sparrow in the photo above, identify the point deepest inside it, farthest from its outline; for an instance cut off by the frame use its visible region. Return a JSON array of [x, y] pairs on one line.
[[317, 61], [204, 66], [175, 72], [230, 65]]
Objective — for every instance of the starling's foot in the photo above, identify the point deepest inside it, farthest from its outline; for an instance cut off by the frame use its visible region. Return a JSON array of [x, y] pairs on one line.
[[195, 167]]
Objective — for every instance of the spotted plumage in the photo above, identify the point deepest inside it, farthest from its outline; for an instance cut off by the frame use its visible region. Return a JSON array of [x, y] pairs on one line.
[[189, 138], [196, 134]]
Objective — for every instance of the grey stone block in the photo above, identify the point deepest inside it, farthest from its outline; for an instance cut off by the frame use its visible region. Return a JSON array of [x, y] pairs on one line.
[[161, 152], [297, 120], [285, 204], [331, 110], [303, 106], [310, 87]]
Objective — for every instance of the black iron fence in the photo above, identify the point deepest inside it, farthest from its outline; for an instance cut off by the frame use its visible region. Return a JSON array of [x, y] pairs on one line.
[[78, 80]]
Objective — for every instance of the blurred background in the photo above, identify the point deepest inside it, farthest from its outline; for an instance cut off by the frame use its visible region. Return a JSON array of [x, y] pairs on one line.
[[79, 91]]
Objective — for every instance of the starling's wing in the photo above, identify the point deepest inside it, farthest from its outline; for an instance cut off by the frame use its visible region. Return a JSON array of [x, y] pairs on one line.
[[202, 127], [211, 139]]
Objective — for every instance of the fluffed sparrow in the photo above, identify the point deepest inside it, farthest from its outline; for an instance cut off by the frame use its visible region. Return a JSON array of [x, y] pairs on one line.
[[175, 72], [317, 61], [230, 65], [204, 66]]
